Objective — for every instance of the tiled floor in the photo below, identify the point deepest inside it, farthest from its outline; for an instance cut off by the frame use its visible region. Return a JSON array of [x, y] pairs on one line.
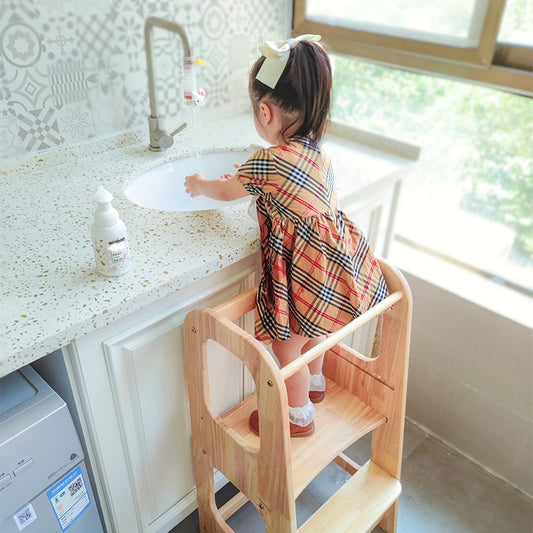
[[442, 493]]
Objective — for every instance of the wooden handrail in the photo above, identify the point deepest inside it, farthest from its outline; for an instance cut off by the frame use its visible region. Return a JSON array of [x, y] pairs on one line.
[[245, 302], [334, 338]]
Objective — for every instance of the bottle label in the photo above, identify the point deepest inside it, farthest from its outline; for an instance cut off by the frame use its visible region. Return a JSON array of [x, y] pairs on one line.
[[112, 258], [119, 251]]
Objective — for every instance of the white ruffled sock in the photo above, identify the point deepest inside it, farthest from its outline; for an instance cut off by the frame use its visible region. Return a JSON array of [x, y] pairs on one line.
[[318, 383], [302, 416]]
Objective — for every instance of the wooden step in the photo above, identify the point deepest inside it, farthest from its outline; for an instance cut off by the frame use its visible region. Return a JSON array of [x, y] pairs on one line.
[[341, 419], [358, 506]]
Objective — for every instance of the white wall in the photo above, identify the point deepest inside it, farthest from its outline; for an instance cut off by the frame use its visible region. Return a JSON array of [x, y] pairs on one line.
[[471, 381]]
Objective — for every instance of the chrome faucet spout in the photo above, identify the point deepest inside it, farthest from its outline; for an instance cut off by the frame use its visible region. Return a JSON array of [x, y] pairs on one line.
[[159, 138]]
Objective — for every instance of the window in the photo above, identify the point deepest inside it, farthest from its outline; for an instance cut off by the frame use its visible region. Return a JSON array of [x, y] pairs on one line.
[[471, 202], [455, 38], [517, 23], [447, 22]]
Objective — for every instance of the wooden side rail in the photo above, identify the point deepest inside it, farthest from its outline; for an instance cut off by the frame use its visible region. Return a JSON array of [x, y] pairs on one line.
[[238, 305], [216, 445]]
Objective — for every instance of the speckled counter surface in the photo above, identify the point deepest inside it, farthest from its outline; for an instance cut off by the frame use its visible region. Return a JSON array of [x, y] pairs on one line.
[[51, 293]]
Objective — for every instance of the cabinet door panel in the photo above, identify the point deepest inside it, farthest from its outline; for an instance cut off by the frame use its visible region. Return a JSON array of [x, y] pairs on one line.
[[136, 401], [151, 394], [148, 382]]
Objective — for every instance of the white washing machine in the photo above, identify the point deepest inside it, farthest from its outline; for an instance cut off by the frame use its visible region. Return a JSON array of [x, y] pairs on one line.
[[44, 487]]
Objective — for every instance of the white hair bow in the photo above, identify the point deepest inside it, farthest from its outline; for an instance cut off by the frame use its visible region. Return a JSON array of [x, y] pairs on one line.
[[277, 54]]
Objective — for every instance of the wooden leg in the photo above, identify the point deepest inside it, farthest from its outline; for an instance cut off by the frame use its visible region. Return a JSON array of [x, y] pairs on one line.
[[389, 522], [205, 486], [205, 493]]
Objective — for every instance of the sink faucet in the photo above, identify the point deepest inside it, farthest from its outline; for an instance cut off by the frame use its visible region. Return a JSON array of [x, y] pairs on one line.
[[160, 139]]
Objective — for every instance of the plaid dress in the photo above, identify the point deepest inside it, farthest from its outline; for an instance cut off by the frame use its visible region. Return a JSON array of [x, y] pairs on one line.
[[318, 270]]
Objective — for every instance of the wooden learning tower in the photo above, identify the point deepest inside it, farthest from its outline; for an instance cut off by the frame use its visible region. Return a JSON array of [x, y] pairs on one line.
[[362, 395]]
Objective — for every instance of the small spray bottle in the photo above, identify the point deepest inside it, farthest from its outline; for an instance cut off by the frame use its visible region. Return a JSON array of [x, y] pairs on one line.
[[109, 237]]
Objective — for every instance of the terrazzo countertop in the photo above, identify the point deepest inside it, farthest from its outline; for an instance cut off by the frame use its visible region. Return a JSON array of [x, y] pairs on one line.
[[51, 293]]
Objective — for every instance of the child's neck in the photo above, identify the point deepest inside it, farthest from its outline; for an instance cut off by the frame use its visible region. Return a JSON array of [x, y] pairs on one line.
[[284, 137], [271, 123]]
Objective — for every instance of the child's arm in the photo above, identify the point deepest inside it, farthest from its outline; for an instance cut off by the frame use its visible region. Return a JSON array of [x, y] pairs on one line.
[[221, 189]]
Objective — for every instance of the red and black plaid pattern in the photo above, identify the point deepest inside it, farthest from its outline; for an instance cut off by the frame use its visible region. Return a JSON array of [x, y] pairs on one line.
[[318, 271]]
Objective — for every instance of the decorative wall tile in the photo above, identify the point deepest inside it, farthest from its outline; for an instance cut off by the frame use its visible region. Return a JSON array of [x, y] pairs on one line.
[[87, 8], [54, 9], [9, 135], [18, 10], [20, 44], [38, 129], [68, 82], [60, 37], [130, 31], [214, 21], [215, 75], [70, 70], [97, 35], [31, 89], [75, 121], [135, 100], [103, 75], [7, 78]]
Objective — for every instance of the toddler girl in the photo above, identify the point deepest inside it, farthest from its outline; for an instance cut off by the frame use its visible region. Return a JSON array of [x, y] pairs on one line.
[[318, 271]]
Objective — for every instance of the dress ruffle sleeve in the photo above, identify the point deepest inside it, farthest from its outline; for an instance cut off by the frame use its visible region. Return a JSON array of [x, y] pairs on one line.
[[257, 172]]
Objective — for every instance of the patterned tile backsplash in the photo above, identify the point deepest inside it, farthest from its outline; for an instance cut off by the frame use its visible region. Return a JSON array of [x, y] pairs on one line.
[[75, 69]]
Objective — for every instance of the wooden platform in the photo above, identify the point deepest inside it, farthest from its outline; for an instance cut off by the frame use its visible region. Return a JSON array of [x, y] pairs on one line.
[[340, 420], [358, 505]]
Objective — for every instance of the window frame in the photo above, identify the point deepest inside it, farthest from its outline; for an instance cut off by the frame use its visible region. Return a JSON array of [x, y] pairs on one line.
[[501, 65]]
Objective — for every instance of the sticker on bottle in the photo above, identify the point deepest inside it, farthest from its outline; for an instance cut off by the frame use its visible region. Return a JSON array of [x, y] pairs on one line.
[[25, 516], [69, 498], [119, 250]]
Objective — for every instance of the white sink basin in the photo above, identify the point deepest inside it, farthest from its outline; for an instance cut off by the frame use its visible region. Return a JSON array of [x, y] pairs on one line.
[[162, 187]]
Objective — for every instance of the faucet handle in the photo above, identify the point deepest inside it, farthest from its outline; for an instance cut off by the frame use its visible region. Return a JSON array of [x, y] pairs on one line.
[[178, 129], [161, 139], [165, 140]]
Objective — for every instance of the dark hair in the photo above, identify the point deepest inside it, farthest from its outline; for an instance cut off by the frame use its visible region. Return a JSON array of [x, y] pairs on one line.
[[304, 87]]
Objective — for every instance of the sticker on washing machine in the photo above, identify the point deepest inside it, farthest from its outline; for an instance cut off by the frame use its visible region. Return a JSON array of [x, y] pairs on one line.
[[69, 498], [25, 516]]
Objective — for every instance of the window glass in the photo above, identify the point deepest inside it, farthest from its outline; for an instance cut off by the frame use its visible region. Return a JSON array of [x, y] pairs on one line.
[[471, 199], [455, 22], [517, 23]]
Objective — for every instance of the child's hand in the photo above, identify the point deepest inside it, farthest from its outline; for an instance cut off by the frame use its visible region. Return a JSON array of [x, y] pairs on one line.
[[226, 188], [194, 184], [227, 175]]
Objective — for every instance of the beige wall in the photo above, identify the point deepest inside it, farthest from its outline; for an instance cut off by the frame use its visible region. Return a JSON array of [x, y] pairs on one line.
[[471, 381]]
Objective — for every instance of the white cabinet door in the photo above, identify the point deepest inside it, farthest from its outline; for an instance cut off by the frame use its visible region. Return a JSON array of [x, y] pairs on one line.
[[134, 392]]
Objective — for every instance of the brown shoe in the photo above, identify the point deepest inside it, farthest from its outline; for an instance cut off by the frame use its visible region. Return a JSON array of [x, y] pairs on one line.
[[296, 431], [316, 396]]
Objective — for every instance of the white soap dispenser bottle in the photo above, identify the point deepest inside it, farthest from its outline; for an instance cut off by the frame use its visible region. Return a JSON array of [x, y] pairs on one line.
[[109, 237]]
